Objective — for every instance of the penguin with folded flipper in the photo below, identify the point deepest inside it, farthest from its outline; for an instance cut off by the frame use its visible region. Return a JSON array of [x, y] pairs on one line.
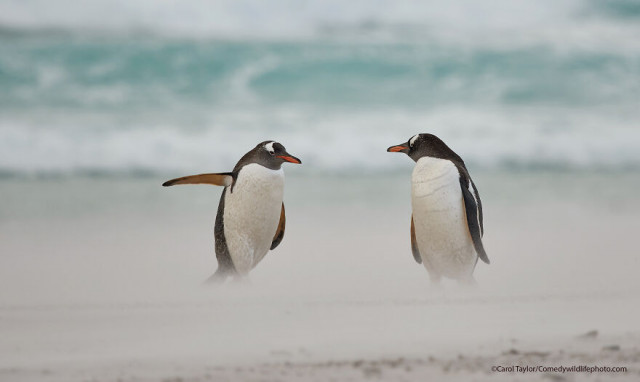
[[251, 217], [446, 224]]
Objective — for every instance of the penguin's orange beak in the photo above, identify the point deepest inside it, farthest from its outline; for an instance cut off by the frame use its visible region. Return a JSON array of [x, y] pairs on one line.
[[403, 148], [290, 158]]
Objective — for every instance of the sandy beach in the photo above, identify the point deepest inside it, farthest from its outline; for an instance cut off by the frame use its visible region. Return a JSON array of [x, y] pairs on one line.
[[102, 268], [101, 280]]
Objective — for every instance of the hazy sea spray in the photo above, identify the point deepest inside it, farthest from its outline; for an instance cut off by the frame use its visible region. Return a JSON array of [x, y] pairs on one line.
[[558, 21], [118, 101]]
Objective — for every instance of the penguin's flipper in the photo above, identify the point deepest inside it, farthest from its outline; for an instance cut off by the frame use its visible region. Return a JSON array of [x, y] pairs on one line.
[[220, 179], [477, 195], [277, 238], [414, 243], [473, 219]]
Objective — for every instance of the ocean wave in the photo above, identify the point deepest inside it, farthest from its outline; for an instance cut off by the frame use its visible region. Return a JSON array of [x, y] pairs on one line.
[[139, 86], [119, 75], [337, 142]]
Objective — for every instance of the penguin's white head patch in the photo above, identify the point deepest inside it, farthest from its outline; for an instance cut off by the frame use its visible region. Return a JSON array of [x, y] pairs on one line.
[[269, 147], [413, 139]]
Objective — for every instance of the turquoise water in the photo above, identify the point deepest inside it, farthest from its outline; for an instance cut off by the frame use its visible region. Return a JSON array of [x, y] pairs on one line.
[[130, 74], [131, 89]]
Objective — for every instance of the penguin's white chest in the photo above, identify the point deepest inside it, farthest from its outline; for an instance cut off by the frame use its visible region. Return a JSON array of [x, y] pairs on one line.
[[440, 221], [251, 214]]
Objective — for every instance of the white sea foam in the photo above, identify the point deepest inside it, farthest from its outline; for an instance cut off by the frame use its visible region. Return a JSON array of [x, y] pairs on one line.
[[347, 141]]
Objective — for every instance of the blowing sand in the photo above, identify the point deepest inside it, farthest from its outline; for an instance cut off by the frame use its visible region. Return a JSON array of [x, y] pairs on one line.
[[100, 280]]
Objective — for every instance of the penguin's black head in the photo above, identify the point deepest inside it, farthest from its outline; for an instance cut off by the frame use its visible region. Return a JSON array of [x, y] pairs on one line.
[[421, 145], [272, 154]]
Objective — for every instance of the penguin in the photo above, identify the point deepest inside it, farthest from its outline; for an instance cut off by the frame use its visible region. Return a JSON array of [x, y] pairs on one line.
[[446, 221], [251, 217]]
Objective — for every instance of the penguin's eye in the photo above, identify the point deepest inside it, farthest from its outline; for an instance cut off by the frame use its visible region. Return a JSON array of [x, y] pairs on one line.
[[271, 152]]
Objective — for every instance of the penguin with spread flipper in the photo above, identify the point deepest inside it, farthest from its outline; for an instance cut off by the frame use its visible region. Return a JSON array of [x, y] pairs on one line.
[[251, 216]]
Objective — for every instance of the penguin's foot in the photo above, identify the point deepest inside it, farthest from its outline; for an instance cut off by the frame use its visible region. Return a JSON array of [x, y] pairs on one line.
[[241, 281], [218, 278], [435, 280], [469, 282]]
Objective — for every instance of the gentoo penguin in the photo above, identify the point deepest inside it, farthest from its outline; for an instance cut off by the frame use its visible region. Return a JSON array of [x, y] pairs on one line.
[[446, 224], [250, 219]]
